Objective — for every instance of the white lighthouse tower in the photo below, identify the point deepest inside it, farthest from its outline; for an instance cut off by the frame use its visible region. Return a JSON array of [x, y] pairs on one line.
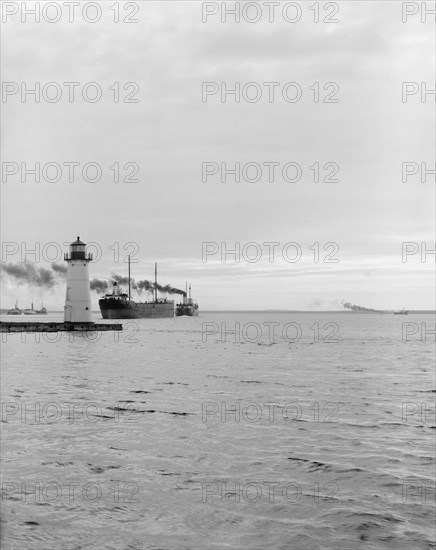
[[78, 297]]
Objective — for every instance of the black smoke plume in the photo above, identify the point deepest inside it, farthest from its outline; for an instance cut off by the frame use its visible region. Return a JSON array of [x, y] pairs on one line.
[[353, 307], [124, 281], [146, 286], [61, 270], [168, 289], [100, 286], [28, 273]]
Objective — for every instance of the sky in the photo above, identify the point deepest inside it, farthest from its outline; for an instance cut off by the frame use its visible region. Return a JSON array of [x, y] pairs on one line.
[[168, 131]]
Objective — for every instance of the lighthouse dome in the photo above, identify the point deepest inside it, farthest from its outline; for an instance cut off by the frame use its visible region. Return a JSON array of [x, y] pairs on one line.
[[78, 250], [78, 242]]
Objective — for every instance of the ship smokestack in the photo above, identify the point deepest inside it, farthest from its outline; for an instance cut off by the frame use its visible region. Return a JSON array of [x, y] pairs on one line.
[[155, 281], [129, 277]]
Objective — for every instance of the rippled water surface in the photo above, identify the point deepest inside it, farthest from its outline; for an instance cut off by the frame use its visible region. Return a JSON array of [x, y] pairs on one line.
[[165, 437]]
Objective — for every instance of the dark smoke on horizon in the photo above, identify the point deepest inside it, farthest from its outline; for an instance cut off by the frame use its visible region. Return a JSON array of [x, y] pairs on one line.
[[60, 269], [28, 273], [98, 285], [353, 307]]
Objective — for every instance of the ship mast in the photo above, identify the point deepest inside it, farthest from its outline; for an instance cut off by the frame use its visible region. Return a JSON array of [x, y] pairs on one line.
[[155, 281], [129, 277]]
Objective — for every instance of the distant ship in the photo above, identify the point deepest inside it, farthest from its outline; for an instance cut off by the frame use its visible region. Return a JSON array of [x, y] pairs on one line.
[[42, 311], [119, 305], [15, 311], [401, 312], [31, 311], [187, 306]]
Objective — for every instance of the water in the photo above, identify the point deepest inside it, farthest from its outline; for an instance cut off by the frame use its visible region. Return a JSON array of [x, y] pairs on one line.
[[143, 427]]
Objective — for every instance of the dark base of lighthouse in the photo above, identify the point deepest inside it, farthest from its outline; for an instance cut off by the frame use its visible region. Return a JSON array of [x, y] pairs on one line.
[[58, 327]]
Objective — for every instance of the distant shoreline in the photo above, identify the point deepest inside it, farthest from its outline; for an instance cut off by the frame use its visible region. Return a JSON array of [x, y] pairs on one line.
[[340, 311]]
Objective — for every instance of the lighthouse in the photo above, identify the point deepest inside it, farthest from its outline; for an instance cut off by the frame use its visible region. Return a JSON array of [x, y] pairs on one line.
[[78, 296]]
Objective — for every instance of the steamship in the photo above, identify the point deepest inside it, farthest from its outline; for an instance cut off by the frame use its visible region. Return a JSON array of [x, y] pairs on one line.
[[402, 312], [119, 305], [15, 311], [31, 311], [187, 306]]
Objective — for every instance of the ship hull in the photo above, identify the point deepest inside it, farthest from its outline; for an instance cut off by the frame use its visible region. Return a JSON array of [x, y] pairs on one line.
[[189, 311], [120, 309]]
